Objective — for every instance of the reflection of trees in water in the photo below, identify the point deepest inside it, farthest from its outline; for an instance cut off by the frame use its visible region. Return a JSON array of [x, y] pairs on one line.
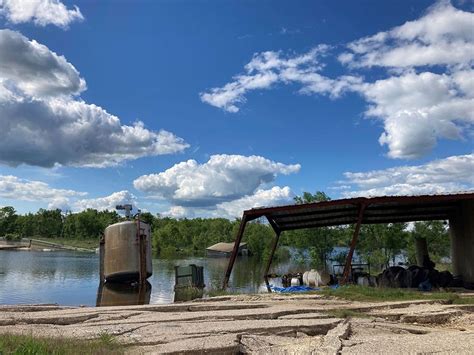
[[214, 271], [162, 280], [244, 274], [50, 266], [247, 274]]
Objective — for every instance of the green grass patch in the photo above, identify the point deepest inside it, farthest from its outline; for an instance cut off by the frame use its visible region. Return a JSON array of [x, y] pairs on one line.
[[346, 313], [27, 344], [463, 300], [373, 294]]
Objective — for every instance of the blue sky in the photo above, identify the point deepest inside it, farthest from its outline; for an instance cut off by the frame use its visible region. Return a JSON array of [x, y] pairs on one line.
[[259, 101]]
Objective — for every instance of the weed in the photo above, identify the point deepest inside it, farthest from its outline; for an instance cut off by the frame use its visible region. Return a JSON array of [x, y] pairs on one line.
[[28, 344], [372, 294], [346, 313]]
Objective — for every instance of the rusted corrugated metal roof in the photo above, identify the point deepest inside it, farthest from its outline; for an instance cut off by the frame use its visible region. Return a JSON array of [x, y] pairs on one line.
[[385, 209]]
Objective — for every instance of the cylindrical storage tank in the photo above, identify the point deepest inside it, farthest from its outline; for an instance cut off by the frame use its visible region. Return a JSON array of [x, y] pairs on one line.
[[122, 251]]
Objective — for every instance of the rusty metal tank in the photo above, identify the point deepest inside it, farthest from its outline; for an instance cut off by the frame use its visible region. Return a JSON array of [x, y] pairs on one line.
[[122, 251]]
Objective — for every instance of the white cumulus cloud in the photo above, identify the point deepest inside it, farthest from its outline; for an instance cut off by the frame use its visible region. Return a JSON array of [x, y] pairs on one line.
[[443, 36], [233, 209], [40, 12], [417, 109], [107, 202], [269, 68], [180, 212], [221, 179], [452, 174], [44, 122], [15, 188], [424, 92], [261, 198], [432, 97]]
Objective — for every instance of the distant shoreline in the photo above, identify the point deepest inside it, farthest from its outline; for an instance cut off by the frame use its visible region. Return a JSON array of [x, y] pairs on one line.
[[38, 243]]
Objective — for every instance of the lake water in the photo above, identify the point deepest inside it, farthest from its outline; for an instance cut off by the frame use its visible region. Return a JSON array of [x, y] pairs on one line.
[[71, 278]]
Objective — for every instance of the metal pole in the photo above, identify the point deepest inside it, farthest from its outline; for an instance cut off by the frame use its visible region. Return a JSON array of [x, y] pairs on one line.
[[141, 252], [235, 251], [142, 248], [98, 301], [101, 259], [269, 263], [347, 267]]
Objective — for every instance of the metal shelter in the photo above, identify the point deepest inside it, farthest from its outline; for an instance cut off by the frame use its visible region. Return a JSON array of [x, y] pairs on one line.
[[357, 211]]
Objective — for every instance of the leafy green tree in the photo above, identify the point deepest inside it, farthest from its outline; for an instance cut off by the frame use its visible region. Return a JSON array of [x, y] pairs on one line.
[[165, 239], [26, 225], [89, 223], [148, 218], [309, 197], [437, 238], [8, 219], [380, 243], [49, 223], [318, 241]]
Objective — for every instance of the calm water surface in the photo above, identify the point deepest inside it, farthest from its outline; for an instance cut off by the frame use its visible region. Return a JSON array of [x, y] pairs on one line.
[[71, 278]]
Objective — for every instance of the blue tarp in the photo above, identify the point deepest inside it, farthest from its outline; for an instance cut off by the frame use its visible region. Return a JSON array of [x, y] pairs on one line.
[[293, 289], [298, 288]]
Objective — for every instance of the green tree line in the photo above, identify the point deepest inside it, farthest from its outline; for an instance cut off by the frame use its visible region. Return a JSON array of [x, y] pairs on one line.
[[378, 244]]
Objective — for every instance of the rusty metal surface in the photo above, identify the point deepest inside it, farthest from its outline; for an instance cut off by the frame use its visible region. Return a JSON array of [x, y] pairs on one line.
[[355, 237], [385, 209], [235, 251]]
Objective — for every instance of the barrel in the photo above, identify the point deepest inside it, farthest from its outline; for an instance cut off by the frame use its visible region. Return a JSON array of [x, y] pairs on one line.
[[122, 251]]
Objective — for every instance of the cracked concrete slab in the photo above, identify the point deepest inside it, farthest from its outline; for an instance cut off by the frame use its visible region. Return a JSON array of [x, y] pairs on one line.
[[295, 324]]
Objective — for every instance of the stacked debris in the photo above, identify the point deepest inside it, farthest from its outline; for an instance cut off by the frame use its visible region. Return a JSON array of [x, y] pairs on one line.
[[423, 278]]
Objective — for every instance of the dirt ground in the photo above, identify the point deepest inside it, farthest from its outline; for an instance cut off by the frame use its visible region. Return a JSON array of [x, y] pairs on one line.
[[266, 323]]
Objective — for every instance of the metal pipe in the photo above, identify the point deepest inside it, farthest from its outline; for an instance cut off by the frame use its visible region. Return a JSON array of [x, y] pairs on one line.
[[235, 251], [142, 254], [355, 236], [142, 250], [101, 260]]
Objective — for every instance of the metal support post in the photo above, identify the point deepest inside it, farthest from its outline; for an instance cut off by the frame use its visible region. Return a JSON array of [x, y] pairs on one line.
[[101, 260], [270, 259], [235, 251], [347, 267]]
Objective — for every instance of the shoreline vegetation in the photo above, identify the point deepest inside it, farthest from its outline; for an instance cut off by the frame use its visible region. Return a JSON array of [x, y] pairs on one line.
[[172, 238], [357, 293], [380, 294]]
